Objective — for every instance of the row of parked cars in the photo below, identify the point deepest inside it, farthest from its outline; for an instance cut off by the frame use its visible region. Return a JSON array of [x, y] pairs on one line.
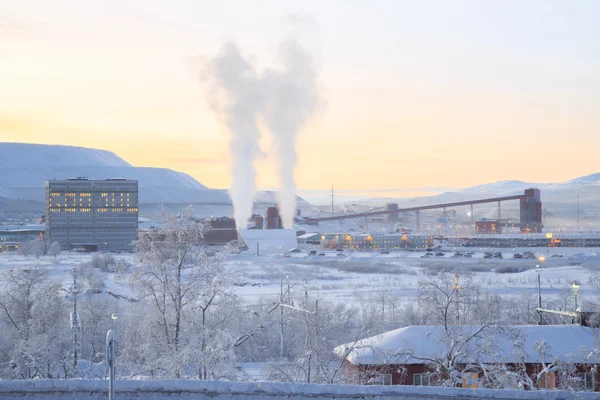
[[526, 255], [492, 255]]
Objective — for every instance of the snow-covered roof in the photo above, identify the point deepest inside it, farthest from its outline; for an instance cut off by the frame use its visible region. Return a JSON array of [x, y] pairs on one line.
[[22, 228], [269, 240], [509, 344], [309, 235]]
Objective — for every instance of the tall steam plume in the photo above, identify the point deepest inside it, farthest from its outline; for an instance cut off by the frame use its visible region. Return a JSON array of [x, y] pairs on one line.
[[292, 100], [237, 98], [286, 98]]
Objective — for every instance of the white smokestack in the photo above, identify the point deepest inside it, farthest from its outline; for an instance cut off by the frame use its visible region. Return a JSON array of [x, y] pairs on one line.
[[292, 100], [237, 99]]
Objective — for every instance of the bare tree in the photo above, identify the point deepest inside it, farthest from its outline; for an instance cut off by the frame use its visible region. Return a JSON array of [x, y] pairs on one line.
[[448, 299]]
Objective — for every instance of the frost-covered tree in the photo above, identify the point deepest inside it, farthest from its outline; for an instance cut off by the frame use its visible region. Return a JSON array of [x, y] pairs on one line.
[[312, 329], [54, 249], [38, 248], [448, 299], [25, 248], [188, 323], [34, 325]]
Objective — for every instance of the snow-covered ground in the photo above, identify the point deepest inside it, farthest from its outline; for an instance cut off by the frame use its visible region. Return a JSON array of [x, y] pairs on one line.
[[361, 277]]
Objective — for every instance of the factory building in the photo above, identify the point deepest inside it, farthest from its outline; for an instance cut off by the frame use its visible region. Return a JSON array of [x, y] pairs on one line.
[[273, 218], [531, 211], [532, 240], [373, 241], [487, 226], [92, 214], [393, 215], [220, 231]]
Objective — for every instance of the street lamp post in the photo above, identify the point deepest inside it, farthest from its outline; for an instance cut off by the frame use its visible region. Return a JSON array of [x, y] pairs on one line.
[[537, 269], [110, 361], [575, 286]]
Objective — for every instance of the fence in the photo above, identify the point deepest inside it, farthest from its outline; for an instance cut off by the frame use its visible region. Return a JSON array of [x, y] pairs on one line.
[[205, 390]]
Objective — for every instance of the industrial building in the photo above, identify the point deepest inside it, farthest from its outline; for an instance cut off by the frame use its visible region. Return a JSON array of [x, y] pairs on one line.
[[487, 226], [21, 233], [220, 231], [373, 241], [92, 214], [531, 240], [530, 211]]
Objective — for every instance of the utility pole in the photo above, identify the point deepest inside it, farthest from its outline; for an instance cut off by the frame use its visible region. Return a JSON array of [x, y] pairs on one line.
[[472, 215], [281, 342], [331, 201], [74, 291], [577, 209], [537, 269], [457, 287]]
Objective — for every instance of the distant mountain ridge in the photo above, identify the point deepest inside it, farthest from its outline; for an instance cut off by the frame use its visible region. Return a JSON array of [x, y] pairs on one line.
[[25, 154], [26, 167]]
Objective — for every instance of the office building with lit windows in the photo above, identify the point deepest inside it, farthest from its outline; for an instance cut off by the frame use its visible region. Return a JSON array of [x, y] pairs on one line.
[[94, 215]]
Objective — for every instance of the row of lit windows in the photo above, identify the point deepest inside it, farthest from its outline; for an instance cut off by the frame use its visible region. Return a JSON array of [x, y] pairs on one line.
[[56, 194], [86, 210], [112, 194]]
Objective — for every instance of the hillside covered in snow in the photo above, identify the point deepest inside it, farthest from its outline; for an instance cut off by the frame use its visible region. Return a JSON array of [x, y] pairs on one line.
[[26, 168]]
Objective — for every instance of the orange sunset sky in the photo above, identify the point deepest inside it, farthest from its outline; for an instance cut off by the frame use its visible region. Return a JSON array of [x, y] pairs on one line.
[[417, 95]]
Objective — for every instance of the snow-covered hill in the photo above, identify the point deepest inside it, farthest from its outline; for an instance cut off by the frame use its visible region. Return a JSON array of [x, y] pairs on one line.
[[26, 154], [26, 167]]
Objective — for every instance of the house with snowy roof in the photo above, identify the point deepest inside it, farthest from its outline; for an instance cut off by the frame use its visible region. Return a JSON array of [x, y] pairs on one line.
[[528, 357]]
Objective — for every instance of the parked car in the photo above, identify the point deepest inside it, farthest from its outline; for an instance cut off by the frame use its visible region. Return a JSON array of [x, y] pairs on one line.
[[439, 254], [517, 255]]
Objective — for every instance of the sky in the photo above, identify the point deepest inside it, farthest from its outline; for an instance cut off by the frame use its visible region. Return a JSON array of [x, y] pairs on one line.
[[417, 95]]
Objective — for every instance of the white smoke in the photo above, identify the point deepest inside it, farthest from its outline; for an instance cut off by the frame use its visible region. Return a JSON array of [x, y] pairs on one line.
[[292, 94], [237, 98], [286, 98]]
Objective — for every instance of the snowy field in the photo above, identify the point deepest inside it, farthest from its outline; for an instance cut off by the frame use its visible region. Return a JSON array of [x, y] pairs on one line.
[[361, 277]]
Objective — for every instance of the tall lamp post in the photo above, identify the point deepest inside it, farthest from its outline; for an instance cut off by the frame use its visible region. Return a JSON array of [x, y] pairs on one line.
[[538, 269], [575, 286]]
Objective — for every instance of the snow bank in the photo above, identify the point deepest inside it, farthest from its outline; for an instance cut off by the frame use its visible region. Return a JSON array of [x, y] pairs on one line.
[[185, 389]]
